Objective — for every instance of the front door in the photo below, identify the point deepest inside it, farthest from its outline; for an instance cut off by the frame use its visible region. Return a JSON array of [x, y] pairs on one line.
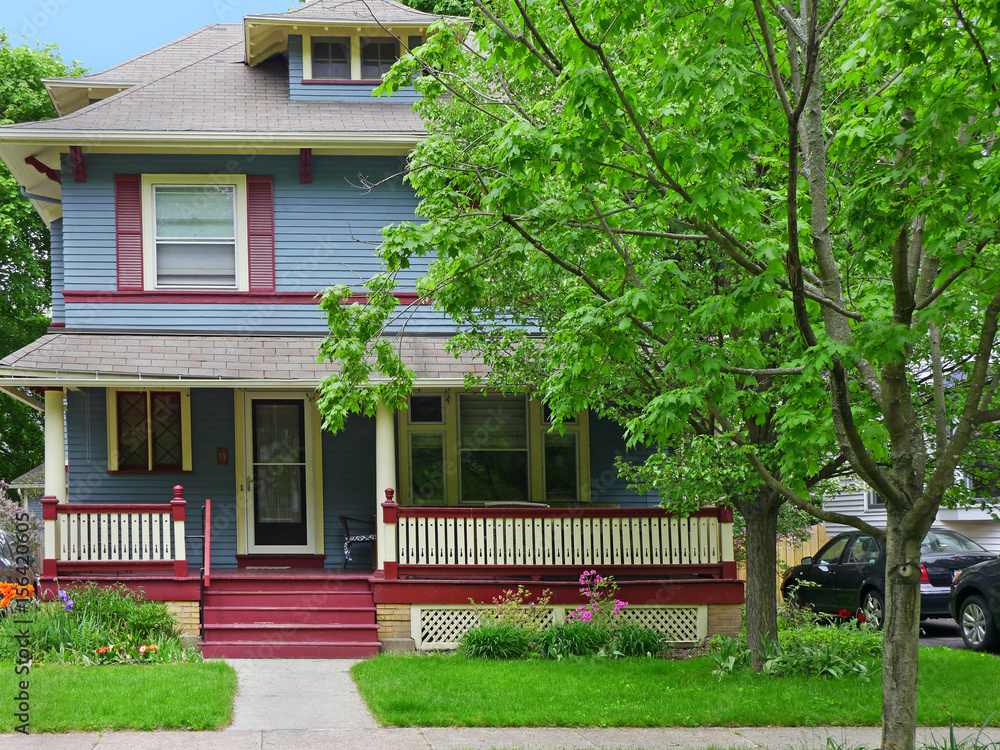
[[278, 451]]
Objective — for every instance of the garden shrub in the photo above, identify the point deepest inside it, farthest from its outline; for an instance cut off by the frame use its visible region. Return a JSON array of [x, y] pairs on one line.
[[515, 608], [631, 639], [499, 640], [95, 625], [575, 638]]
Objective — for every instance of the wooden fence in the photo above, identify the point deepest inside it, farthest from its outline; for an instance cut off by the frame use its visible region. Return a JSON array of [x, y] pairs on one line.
[[791, 553]]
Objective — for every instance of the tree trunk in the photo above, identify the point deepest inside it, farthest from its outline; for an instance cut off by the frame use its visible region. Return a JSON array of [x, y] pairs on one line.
[[902, 633], [761, 516]]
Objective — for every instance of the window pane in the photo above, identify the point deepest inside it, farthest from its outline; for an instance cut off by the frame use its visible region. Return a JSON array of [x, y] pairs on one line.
[[167, 434], [495, 422], [377, 56], [133, 437], [330, 57], [195, 211], [494, 476], [427, 468], [426, 409], [196, 264], [560, 467], [831, 553]]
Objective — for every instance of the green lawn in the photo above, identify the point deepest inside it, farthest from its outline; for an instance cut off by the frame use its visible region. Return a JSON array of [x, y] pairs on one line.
[[164, 696], [421, 690]]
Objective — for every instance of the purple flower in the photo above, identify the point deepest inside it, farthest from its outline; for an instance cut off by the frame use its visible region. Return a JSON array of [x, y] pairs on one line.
[[69, 605], [63, 596]]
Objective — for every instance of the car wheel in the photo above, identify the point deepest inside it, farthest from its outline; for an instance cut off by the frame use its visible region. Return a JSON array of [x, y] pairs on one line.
[[979, 631], [873, 606]]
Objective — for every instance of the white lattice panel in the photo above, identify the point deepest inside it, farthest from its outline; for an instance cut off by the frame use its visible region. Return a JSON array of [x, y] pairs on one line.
[[440, 628], [681, 625]]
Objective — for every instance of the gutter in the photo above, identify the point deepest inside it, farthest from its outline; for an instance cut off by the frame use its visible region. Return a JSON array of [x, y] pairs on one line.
[[42, 198]]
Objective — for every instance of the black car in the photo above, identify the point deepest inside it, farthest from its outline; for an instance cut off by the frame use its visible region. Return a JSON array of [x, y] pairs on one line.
[[975, 605], [849, 573]]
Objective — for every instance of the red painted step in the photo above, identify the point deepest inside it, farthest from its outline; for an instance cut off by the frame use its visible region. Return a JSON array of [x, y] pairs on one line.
[[216, 615], [303, 614], [265, 650]]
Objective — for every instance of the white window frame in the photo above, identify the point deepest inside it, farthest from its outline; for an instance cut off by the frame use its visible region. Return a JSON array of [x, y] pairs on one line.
[[536, 428], [402, 37], [239, 183], [112, 413]]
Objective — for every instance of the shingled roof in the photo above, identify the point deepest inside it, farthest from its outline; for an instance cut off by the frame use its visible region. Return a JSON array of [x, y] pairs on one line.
[[166, 58], [221, 94], [234, 358], [353, 11]]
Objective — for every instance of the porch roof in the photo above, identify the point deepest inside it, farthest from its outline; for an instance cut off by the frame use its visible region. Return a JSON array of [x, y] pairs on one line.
[[76, 359]]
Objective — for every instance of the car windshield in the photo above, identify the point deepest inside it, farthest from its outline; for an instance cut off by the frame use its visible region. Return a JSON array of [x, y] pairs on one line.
[[940, 542]]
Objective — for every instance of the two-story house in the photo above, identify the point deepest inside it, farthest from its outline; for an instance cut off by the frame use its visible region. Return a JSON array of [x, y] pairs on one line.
[[199, 196]]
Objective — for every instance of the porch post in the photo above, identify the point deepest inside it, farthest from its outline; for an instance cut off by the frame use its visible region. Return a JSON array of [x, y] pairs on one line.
[[385, 476], [726, 543], [178, 514], [50, 543], [55, 445]]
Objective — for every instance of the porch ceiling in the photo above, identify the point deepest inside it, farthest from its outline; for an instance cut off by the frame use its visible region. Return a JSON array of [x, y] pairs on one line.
[[75, 359]]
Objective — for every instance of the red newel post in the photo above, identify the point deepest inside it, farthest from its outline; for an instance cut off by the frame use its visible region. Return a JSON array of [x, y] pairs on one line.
[[50, 552], [178, 512], [390, 516]]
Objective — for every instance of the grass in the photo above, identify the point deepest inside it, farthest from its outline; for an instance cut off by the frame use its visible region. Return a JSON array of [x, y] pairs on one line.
[[958, 687], [71, 698]]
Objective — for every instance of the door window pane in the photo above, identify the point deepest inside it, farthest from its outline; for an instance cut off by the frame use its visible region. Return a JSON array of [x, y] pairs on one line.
[[560, 468], [863, 550], [427, 468], [831, 553], [279, 490], [278, 433]]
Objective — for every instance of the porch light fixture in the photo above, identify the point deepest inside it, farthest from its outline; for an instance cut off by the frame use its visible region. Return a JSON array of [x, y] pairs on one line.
[[223, 455]]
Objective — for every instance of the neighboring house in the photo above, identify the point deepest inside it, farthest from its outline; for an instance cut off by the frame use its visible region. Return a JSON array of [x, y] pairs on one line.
[[199, 196], [857, 500]]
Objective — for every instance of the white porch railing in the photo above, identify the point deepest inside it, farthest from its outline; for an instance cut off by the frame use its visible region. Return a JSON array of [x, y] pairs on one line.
[[114, 536], [555, 541]]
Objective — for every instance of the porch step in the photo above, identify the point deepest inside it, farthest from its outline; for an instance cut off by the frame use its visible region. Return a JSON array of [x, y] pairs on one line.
[[273, 632], [292, 614], [271, 650], [298, 597], [224, 615]]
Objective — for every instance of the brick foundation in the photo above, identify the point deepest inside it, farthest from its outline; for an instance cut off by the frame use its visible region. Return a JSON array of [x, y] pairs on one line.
[[725, 619], [394, 627], [188, 618]]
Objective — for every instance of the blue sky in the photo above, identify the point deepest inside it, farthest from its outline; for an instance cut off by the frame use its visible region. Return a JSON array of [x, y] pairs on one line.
[[102, 33]]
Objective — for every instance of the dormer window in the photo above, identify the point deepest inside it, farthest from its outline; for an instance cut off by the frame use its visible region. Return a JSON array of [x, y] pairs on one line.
[[352, 59], [377, 56], [331, 57]]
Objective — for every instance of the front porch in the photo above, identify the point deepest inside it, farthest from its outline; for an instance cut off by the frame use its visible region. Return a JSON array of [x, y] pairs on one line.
[[185, 487]]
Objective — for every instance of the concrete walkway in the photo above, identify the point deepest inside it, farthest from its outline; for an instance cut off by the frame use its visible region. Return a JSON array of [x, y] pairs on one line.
[[453, 738], [313, 704]]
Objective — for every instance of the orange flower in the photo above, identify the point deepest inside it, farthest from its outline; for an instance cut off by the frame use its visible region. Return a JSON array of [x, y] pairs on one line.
[[12, 591]]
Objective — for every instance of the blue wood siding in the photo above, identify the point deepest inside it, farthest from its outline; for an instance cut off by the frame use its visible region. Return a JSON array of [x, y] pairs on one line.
[[212, 411], [56, 256], [332, 92], [607, 443], [326, 233], [236, 319], [348, 488]]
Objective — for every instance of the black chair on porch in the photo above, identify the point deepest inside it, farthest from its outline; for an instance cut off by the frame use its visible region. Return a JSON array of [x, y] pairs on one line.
[[356, 538]]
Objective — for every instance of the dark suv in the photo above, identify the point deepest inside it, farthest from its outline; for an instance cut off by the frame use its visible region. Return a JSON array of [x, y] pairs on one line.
[[975, 605]]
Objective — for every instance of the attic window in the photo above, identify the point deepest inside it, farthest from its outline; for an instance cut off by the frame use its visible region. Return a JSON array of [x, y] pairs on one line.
[[331, 57], [377, 56]]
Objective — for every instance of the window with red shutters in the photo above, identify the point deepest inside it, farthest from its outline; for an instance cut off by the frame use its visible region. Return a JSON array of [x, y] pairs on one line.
[[128, 230], [260, 232]]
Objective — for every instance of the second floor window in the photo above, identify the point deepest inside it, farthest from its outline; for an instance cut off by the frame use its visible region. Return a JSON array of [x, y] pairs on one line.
[[331, 57], [377, 56], [195, 236]]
